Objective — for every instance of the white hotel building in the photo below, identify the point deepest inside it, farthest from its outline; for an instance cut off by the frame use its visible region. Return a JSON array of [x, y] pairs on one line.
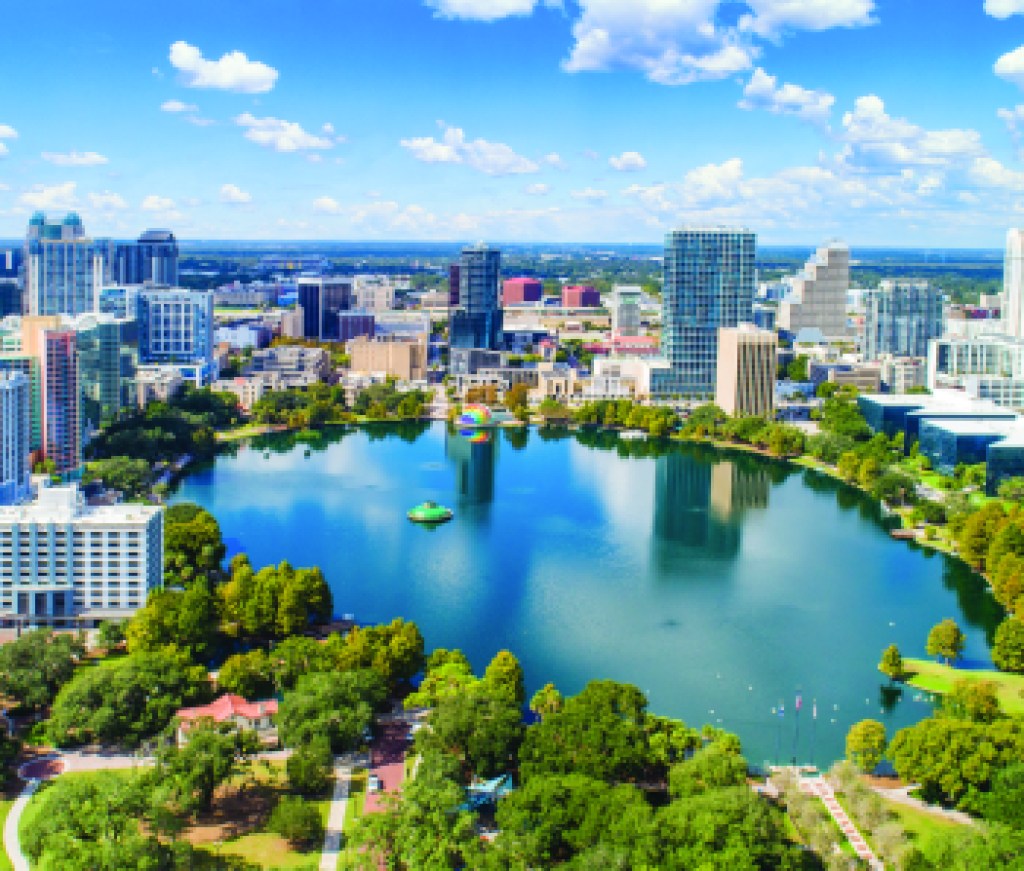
[[67, 564]]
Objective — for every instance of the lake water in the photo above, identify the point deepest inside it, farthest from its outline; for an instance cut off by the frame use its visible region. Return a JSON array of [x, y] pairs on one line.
[[723, 585]]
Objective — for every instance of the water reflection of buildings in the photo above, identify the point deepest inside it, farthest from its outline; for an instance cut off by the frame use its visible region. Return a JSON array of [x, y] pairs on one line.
[[474, 455], [699, 505]]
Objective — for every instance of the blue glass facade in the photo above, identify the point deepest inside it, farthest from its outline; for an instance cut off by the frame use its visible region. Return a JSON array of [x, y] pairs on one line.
[[947, 449], [476, 320], [1004, 460], [709, 283]]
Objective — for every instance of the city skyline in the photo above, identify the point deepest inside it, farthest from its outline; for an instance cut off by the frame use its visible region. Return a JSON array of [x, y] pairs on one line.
[[521, 120]]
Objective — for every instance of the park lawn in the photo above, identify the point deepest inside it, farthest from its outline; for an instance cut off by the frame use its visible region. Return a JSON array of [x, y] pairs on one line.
[[937, 678], [5, 807], [268, 850], [356, 798], [921, 826]]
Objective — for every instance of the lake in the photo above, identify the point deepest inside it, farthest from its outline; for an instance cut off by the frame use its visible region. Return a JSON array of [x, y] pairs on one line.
[[725, 585]]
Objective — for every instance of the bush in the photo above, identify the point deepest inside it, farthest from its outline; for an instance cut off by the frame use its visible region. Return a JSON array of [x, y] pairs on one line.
[[297, 821], [311, 767]]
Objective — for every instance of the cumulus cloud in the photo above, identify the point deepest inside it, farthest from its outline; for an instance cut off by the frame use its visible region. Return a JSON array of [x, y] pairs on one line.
[[490, 158], [1011, 66], [554, 159], [108, 202], [283, 136], [990, 173], [589, 194], [177, 106], [6, 132], [232, 72], [486, 10], [538, 189], [326, 205], [876, 139], [773, 17], [58, 196], [628, 161], [155, 203], [763, 92], [75, 158], [1004, 8], [234, 195]]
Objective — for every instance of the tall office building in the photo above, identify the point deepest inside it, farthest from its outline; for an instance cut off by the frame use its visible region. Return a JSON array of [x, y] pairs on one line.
[[453, 284], [817, 297], [64, 270], [152, 259], [746, 370], [900, 318], [175, 328], [62, 430], [14, 437], [626, 310], [476, 320], [1013, 285], [709, 283], [322, 299], [65, 564], [108, 357]]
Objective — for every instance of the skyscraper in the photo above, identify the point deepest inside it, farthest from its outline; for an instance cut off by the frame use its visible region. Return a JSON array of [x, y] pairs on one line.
[[746, 370], [108, 356], [14, 437], [1013, 285], [63, 269], [900, 318], [817, 297], [322, 299], [476, 320], [152, 259], [709, 283], [176, 326]]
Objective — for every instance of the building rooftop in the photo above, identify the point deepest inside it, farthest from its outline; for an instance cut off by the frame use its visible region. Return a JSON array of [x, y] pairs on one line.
[[938, 401], [961, 427], [64, 504], [228, 706]]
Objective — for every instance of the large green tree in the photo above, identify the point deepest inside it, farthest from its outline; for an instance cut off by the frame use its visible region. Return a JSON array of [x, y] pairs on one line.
[[865, 744], [947, 640], [1008, 648], [891, 664], [186, 619], [338, 706], [34, 667]]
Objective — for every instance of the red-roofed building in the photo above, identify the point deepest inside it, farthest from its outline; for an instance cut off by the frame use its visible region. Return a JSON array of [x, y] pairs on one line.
[[239, 712], [519, 290], [580, 296]]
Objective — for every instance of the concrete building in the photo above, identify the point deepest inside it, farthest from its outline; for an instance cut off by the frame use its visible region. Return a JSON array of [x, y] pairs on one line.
[[152, 259], [817, 296], [746, 370], [1013, 285], [580, 296], [15, 430], [476, 320], [404, 359], [626, 302], [986, 367], [66, 564], [296, 365], [356, 323], [709, 283], [900, 374], [157, 384], [374, 293], [249, 389], [901, 318], [176, 328], [64, 270], [516, 291], [321, 299], [891, 414]]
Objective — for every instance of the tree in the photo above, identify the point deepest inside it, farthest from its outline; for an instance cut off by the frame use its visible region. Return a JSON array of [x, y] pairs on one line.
[[193, 544], [891, 664], [34, 667], [185, 619], [797, 370], [946, 640], [972, 700], [132, 477], [1008, 649], [250, 675], [547, 700], [339, 707], [1005, 803], [869, 472], [848, 465], [395, 651], [111, 633], [1011, 488], [865, 744], [311, 767], [517, 397], [297, 821], [712, 767], [189, 774], [505, 674]]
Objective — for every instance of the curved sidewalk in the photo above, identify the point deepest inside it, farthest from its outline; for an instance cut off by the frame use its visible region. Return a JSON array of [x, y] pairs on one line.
[[12, 843]]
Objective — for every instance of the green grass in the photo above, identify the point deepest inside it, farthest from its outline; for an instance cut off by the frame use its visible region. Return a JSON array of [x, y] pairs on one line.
[[268, 850], [5, 807], [356, 798], [937, 678], [921, 826]]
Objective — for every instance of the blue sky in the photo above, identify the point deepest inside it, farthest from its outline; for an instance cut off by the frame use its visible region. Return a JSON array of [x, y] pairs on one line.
[[881, 122]]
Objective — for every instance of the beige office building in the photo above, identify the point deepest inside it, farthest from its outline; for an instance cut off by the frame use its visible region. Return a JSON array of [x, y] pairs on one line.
[[405, 359], [746, 370], [817, 298]]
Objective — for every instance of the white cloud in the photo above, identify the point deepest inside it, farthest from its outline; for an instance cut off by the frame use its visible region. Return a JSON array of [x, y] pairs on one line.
[[628, 161], [154, 203], [75, 158], [327, 129], [554, 159], [1004, 8], [284, 136], [990, 173], [762, 92], [233, 194], [486, 10], [875, 139], [6, 132], [178, 106], [589, 194], [713, 181], [537, 190], [233, 72], [1011, 66], [58, 196], [326, 205], [490, 158], [108, 202], [773, 17]]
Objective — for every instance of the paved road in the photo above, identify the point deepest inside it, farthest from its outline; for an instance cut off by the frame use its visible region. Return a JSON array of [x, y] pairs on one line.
[[901, 795], [336, 816], [387, 761]]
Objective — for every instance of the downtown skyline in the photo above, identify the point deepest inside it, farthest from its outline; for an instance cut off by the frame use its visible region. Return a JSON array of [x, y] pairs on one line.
[[876, 121]]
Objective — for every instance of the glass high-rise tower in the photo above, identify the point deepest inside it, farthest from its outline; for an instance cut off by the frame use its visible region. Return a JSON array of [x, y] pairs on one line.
[[476, 319], [709, 283]]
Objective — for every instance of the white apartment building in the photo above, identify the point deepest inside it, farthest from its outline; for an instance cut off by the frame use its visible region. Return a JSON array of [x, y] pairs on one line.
[[626, 301], [64, 563], [374, 293], [985, 367]]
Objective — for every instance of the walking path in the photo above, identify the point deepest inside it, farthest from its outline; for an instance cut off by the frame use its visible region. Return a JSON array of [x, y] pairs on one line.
[[336, 816], [901, 795], [12, 843], [821, 788]]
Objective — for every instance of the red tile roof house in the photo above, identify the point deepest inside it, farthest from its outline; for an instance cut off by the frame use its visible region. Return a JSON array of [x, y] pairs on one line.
[[243, 714]]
